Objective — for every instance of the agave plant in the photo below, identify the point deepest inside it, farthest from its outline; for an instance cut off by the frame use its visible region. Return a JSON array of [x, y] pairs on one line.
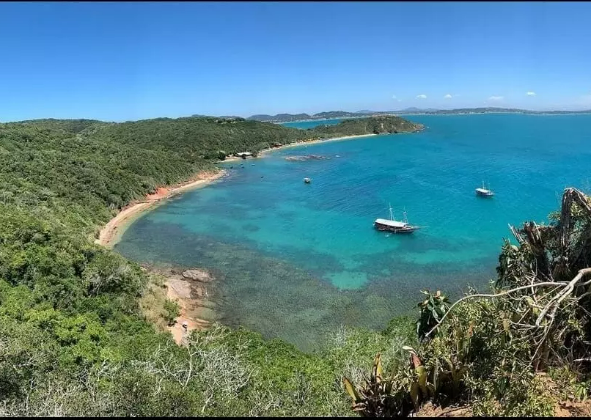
[[376, 397], [420, 389]]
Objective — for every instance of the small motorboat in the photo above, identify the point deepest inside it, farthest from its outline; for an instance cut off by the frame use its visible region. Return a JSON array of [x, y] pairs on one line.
[[484, 192], [307, 180]]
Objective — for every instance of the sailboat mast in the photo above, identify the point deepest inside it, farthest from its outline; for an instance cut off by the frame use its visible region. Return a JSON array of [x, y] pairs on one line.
[[391, 212]]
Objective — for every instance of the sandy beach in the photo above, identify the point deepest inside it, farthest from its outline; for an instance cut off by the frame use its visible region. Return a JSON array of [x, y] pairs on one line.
[[112, 232], [264, 152], [311, 142]]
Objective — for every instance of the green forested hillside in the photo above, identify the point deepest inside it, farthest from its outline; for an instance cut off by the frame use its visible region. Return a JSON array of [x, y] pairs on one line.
[[197, 138], [374, 125], [90, 168], [73, 340]]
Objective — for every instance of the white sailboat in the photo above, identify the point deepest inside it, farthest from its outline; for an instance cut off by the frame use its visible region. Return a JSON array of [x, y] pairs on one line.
[[393, 225], [484, 192]]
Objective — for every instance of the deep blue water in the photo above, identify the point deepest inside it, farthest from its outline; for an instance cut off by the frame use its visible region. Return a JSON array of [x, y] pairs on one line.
[[298, 260]]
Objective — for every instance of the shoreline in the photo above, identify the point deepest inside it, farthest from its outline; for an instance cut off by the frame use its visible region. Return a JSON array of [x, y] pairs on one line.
[[111, 233], [178, 288], [265, 152]]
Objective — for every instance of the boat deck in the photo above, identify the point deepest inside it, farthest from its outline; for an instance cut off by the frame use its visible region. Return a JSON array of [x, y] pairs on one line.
[[484, 191], [391, 223]]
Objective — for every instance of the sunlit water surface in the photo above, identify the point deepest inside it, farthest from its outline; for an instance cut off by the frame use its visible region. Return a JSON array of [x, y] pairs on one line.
[[298, 260]]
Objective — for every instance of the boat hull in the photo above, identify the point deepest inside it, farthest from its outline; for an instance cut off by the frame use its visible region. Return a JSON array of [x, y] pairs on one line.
[[393, 229], [484, 194]]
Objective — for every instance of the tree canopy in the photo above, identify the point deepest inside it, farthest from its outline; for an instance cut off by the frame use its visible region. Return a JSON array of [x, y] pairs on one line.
[[73, 337]]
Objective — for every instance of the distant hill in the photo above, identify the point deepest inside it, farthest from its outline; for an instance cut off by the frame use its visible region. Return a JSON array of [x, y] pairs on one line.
[[374, 125], [413, 109], [231, 117], [282, 118], [335, 114]]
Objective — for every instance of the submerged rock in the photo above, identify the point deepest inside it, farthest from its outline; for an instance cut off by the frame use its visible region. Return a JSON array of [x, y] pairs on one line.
[[303, 158], [198, 275]]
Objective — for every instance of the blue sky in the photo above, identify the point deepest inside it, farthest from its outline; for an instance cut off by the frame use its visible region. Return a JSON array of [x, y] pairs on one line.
[[127, 61]]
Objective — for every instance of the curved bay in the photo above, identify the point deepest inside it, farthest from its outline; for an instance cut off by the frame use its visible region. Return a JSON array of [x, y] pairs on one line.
[[299, 260]]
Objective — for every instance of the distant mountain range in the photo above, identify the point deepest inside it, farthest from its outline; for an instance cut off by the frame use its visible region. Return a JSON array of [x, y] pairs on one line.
[[282, 118], [319, 116], [303, 117]]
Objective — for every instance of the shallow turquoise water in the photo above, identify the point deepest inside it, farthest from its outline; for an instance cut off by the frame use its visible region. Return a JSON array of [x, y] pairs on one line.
[[297, 260]]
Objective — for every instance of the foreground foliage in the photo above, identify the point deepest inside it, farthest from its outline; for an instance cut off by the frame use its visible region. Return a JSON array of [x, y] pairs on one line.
[[495, 351]]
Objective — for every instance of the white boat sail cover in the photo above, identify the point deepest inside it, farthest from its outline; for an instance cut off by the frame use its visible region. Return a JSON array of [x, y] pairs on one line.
[[392, 223], [482, 190]]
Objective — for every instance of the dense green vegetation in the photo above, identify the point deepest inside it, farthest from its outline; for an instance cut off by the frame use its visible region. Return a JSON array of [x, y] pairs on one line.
[[73, 337], [83, 169], [80, 333], [375, 125], [280, 117]]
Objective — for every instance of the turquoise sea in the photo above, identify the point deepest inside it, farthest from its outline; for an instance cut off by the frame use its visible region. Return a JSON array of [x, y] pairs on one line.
[[296, 261]]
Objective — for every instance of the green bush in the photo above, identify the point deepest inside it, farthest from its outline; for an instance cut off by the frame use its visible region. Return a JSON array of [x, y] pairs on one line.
[[171, 311]]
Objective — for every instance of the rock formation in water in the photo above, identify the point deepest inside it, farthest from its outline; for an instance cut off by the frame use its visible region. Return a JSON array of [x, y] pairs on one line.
[[304, 158], [198, 275]]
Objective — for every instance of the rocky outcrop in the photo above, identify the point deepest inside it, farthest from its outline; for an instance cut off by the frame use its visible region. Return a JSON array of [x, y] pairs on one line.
[[194, 292], [198, 275], [304, 158]]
